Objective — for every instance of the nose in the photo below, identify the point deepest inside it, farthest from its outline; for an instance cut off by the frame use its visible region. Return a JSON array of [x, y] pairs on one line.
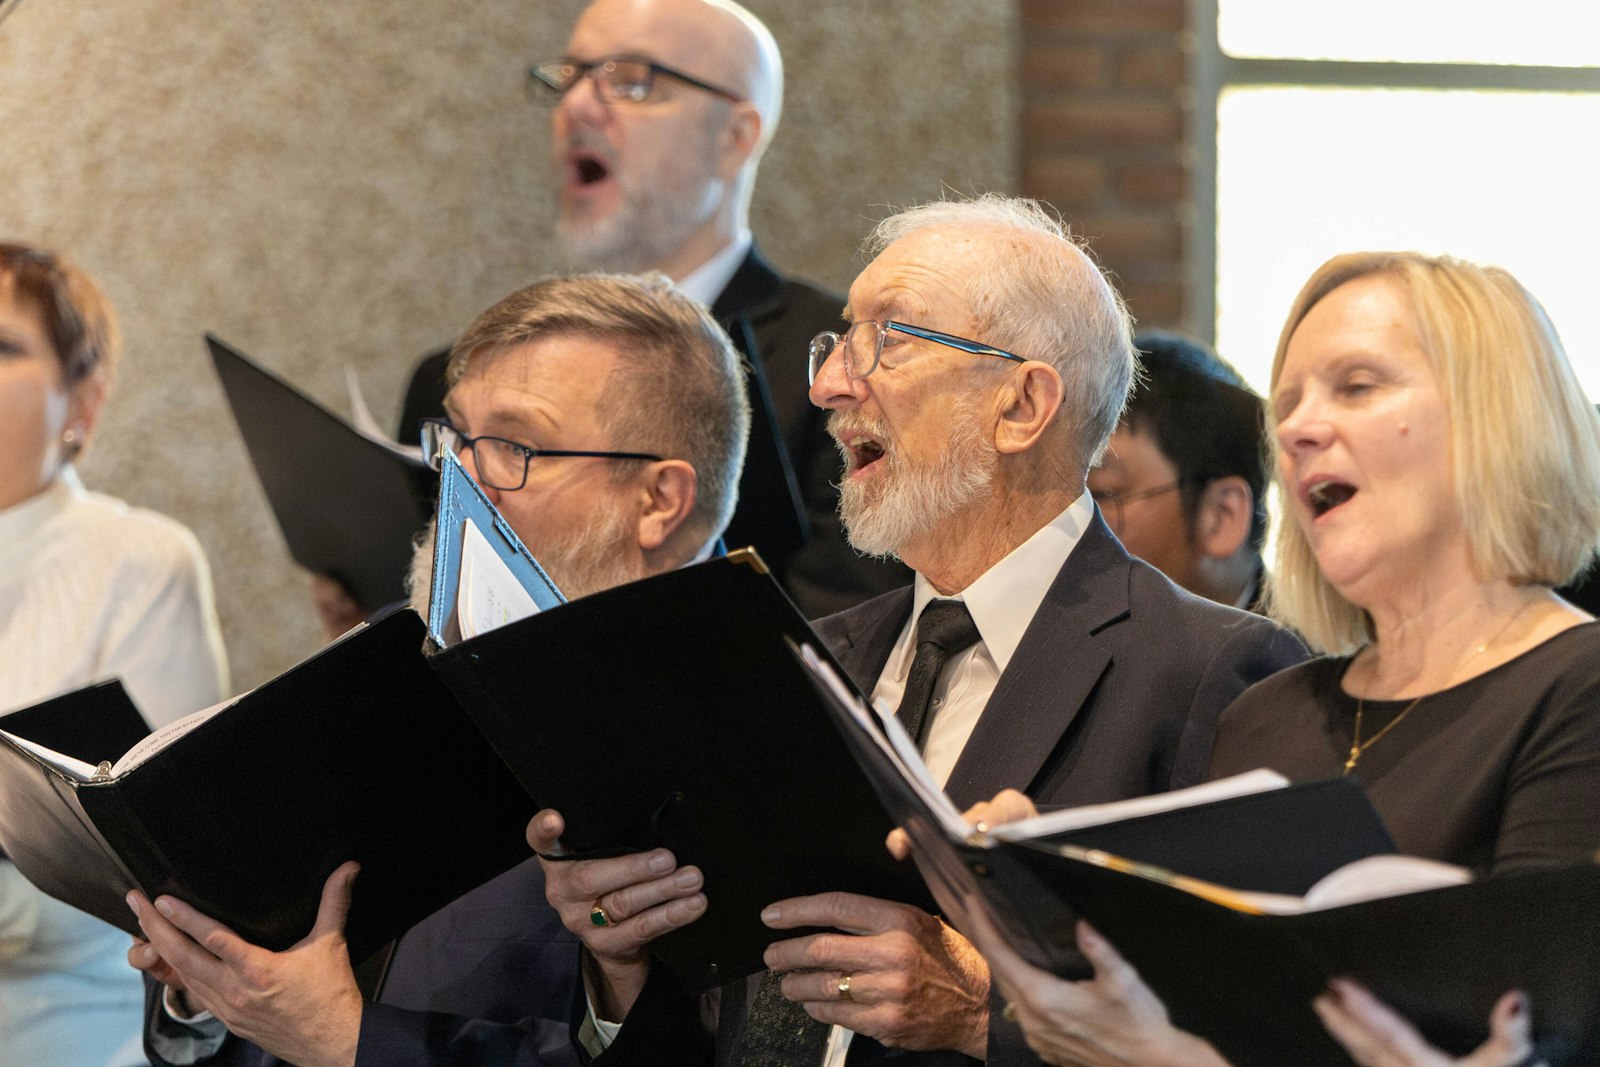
[[833, 388], [583, 103], [1303, 428]]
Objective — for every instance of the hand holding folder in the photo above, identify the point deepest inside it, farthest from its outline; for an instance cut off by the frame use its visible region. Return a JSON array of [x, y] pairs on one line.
[[1240, 969]]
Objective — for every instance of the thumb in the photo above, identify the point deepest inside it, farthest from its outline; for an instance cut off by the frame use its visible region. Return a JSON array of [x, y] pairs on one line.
[[1510, 1036], [335, 906]]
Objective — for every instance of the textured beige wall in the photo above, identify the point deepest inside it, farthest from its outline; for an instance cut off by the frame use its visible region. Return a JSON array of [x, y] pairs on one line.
[[332, 181]]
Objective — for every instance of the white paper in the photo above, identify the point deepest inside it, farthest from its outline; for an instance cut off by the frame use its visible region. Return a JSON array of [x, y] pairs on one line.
[[488, 595], [362, 422], [1056, 822]]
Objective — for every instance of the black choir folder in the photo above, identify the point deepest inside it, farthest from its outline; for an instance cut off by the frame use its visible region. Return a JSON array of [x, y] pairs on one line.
[[1204, 899], [668, 712], [357, 753], [348, 503]]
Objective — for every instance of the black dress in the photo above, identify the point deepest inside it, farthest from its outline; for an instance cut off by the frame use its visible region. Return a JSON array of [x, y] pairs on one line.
[[1501, 772]]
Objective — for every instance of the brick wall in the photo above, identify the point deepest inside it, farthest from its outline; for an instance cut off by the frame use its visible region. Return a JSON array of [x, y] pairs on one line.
[[1104, 90]]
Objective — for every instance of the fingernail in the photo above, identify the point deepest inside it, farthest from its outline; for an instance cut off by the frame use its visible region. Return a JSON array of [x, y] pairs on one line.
[[133, 901], [686, 879], [660, 862], [1089, 936], [164, 906], [771, 915], [1519, 1005], [549, 824]]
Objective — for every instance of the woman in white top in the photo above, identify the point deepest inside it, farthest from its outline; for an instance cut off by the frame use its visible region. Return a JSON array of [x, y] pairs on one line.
[[89, 589]]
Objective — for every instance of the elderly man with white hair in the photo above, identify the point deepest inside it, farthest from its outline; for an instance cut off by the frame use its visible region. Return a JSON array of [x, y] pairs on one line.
[[984, 367]]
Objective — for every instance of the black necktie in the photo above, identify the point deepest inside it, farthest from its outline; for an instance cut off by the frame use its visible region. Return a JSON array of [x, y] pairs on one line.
[[944, 629], [779, 1032]]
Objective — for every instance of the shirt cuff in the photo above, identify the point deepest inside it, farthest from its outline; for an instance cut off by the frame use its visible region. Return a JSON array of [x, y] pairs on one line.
[[594, 1033], [197, 1020]]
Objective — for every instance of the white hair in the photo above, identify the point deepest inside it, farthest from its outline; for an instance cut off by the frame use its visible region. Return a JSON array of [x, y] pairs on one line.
[[1040, 296]]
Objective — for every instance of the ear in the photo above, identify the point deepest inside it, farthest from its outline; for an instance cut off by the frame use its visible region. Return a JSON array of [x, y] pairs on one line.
[[1222, 518], [84, 405], [739, 139], [1029, 404], [668, 495]]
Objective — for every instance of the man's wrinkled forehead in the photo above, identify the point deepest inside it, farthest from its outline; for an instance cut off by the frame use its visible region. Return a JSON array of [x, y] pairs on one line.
[[919, 278]]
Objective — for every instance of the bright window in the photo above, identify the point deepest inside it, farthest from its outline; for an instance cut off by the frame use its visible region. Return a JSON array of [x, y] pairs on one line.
[[1313, 157]]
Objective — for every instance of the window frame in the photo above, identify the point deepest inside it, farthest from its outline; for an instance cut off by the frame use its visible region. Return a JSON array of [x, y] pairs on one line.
[[1212, 71]]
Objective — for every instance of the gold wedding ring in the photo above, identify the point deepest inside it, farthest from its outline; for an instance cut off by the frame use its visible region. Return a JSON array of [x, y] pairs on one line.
[[844, 989]]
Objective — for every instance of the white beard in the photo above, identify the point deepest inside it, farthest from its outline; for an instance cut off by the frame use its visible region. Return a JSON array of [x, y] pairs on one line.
[[914, 499]]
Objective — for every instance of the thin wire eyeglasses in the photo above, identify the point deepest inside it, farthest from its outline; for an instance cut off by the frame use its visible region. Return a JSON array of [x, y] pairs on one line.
[[630, 79], [499, 463], [1115, 501], [825, 344]]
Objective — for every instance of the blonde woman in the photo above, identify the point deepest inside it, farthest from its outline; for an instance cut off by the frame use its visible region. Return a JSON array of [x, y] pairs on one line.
[[1440, 467]]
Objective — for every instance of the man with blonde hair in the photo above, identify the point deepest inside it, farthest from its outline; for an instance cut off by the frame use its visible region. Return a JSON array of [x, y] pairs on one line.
[[606, 418]]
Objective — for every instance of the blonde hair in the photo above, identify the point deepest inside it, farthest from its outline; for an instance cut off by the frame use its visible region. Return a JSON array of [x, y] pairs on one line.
[[1524, 439], [678, 390]]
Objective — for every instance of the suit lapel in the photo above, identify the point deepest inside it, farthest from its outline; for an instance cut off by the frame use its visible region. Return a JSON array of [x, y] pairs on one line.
[[753, 286], [1052, 674], [862, 637]]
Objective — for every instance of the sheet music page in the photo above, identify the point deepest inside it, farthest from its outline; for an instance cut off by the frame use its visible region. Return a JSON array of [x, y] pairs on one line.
[[362, 422], [489, 595], [894, 741], [1055, 822]]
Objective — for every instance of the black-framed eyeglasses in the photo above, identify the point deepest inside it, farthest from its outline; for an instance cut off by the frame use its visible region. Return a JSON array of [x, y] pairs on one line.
[[499, 463], [1114, 502], [630, 79], [863, 342]]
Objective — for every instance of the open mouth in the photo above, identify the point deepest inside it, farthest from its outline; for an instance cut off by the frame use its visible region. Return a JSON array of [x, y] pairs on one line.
[[861, 451], [589, 169], [1325, 496]]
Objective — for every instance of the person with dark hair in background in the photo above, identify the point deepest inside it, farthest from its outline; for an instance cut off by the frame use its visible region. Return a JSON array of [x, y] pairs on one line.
[[1183, 482], [90, 589]]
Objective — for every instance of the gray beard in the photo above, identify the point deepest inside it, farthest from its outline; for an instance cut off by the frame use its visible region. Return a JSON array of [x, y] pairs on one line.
[[913, 500], [594, 560]]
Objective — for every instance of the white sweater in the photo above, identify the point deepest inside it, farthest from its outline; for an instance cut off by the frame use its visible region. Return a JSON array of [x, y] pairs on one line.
[[90, 589]]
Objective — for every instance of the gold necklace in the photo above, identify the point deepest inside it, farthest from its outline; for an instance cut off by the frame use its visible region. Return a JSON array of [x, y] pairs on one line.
[[1357, 748]]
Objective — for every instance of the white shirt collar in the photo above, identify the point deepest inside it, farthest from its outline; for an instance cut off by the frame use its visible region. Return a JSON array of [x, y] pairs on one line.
[[706, 282], [1004, 598]]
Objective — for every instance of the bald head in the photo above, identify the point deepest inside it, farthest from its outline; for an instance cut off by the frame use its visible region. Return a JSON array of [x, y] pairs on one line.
[[663, 180], [717, 41]]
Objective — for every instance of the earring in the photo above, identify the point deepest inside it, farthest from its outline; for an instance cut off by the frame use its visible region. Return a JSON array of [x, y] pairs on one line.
[[70, 438]]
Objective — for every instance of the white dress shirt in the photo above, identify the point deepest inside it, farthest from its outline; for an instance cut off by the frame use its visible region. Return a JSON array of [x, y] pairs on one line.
[[706, 282], [1002, 602], [90, 588]]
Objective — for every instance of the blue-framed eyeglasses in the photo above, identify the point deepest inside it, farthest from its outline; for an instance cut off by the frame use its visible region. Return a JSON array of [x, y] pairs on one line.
[[630, 79], [862, 346], [498, 462]]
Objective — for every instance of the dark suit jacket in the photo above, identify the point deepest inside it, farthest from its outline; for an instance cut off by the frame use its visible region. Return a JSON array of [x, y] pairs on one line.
[[1114, 692], [788, 500], [488, 979]]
